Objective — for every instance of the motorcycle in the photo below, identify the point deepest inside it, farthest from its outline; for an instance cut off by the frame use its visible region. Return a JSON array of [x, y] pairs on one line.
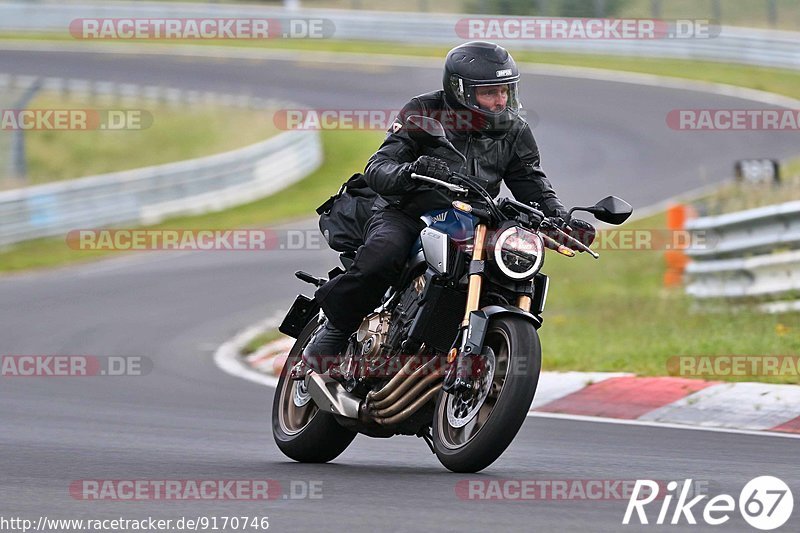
[[452, 354]]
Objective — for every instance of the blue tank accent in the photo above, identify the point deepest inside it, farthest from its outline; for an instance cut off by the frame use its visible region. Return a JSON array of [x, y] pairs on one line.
[[460, 226]]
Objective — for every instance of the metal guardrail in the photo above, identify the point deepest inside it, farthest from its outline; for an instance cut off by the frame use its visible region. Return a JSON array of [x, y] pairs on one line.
[[737, 45], [749, 254], [148, 195]]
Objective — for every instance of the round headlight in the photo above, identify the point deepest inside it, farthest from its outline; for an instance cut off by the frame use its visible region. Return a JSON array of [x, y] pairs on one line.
[[519, 253]]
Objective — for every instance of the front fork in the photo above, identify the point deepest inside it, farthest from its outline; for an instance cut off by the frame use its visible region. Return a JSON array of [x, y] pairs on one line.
[[475, 274], [462, 365], [473, 327]]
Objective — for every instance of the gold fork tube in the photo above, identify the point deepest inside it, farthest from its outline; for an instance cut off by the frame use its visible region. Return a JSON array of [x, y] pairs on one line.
[[475, 280]]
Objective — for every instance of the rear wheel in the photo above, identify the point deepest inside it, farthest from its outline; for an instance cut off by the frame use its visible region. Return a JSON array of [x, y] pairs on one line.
[[301, 430], [472, 429]]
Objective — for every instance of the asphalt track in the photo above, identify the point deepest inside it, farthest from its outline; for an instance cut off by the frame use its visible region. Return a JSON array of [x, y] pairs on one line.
[[188, 420]]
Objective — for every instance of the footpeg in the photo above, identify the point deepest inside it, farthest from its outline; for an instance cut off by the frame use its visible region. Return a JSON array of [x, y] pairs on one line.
[[308, 278]]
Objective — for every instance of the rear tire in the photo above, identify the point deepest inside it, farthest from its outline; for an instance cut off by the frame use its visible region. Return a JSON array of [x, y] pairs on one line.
[[303, 432], [475, 442]]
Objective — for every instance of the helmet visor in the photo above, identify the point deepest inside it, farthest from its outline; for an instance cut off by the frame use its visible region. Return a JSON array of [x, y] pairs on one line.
[[491, 99]]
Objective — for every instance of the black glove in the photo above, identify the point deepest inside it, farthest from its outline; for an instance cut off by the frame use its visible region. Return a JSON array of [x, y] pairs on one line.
[[581, 230], [575, 228], [430, 166]]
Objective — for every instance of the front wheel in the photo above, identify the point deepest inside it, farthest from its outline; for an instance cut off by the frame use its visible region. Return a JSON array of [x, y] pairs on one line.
[[472, 429], [301, 430]]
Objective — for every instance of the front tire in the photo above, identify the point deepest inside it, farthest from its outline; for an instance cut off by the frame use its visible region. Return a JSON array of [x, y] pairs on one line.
[[301, 430], [471, 430]]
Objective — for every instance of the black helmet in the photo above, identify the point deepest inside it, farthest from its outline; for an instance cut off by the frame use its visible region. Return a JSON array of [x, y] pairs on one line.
[[476, 64]]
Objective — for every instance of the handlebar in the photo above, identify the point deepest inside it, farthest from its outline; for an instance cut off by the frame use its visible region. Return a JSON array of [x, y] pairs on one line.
[[571, 241], [540, 217], [451, 186]]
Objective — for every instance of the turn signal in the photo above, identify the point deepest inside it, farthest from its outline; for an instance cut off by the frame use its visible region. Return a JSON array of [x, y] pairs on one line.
[[452, 355], [563, 250], [462, 206]]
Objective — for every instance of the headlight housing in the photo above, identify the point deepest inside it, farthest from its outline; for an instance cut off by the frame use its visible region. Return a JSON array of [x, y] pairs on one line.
[[518, 253]]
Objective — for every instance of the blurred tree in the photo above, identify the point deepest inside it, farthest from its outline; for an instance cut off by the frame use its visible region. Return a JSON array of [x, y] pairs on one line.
[[541, 8]]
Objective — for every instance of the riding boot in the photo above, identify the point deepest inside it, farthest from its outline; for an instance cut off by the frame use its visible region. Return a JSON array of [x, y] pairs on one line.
[[324, 349]]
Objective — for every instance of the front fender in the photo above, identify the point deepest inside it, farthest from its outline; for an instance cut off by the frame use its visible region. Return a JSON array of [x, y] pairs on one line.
[[499, 310], [479, 325], [475, 336]]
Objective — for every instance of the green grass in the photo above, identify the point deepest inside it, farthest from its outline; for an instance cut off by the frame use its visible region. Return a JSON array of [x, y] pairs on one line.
[[345, 153], [737, 196], [614, 314], [260, 340], [174, 133]]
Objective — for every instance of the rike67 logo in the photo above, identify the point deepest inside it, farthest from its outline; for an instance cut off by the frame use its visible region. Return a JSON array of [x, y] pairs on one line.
[[765, 503]]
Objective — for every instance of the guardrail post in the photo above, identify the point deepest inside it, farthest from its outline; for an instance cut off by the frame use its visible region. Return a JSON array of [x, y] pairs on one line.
[[599, 8], [19, 168], [716, 11], [655, 8], [772, 12], [543, 8]]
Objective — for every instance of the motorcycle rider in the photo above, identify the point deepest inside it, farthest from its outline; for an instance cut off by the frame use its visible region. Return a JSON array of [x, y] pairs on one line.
[[479, 108]]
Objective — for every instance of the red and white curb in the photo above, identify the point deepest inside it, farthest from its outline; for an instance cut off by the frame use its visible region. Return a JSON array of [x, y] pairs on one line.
[[228, 356], [271, 357], [751, 408]]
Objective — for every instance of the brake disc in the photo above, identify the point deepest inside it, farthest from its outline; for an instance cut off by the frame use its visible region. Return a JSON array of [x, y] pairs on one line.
[[301, 395], [463, 406]]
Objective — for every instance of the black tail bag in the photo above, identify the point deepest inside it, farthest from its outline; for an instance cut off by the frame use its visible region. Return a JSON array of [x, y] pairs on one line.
[[344, 216]]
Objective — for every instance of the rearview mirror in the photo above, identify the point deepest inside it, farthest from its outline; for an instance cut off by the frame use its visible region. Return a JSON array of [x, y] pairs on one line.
[[611, 210]]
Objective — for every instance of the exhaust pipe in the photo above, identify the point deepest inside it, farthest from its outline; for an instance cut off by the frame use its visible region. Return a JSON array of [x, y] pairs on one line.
[[394, 382], [395, 407], [394, 403], [404, 397], [330, 396], [402, 387], [411, 409]]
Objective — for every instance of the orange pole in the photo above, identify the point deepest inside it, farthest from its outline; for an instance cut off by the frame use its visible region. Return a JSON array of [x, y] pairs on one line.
[[676, 259]]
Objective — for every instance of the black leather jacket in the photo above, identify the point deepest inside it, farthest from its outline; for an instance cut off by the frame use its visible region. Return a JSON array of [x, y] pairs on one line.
[[510, 155]]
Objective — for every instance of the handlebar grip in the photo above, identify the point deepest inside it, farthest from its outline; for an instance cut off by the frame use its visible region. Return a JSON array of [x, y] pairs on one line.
[[481, 213]]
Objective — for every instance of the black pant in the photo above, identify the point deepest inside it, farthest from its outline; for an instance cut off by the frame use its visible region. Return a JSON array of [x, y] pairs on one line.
[[379, 262]]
